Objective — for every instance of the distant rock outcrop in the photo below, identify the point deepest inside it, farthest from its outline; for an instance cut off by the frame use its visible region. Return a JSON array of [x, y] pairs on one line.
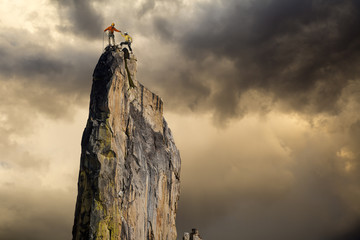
[[194, 235], [129, 184]]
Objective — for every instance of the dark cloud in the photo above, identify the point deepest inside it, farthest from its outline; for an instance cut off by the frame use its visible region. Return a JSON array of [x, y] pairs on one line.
[[351, 234], [301, 52], [81, 18], [146, 7], [30, 61], [164, 28], [45, 78], [354, 131]]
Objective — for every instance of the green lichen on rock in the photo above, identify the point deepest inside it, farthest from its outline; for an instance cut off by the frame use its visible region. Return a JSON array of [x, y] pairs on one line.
[[104, 136], [108, 226], [102, 231]]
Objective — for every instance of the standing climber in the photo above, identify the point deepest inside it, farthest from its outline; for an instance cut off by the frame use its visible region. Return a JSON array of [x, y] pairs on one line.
[[128, 40], [111, 30]]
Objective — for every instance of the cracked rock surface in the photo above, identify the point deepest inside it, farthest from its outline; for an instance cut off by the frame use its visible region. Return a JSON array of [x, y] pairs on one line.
[[129, 184]]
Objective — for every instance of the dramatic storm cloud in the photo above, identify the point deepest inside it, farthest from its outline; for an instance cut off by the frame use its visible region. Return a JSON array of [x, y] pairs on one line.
[[80, 17], [300, 52], [262, 97]]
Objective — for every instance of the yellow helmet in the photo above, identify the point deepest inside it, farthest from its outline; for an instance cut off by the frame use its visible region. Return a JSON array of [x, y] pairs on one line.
[[113, 24]]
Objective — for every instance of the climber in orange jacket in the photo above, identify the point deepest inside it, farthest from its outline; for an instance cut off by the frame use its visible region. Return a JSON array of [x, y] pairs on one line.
[[111, 30]]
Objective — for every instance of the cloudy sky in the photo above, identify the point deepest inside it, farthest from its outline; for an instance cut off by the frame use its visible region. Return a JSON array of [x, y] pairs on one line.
[[262, 96]]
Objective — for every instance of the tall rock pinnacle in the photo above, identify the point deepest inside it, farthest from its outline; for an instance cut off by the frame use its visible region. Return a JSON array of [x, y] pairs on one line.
[[129, 184]]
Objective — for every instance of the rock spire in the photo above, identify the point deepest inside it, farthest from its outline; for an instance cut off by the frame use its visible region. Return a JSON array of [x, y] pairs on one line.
[[129, 184]]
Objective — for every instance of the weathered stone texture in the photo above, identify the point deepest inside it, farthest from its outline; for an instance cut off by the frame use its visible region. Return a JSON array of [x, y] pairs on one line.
[[129, 183]]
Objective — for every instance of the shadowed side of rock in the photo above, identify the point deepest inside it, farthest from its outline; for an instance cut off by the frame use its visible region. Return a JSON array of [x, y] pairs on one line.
[[129, 184]]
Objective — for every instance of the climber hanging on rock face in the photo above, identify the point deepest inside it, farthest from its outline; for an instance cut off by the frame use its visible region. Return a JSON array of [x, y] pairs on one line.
[[111, 30], [128, 40]]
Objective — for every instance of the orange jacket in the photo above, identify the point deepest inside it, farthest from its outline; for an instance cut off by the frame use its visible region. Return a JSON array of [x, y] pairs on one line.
[[111, 29]]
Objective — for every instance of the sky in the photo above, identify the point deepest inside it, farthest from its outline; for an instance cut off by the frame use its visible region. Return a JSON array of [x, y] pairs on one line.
[[262, 97]]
